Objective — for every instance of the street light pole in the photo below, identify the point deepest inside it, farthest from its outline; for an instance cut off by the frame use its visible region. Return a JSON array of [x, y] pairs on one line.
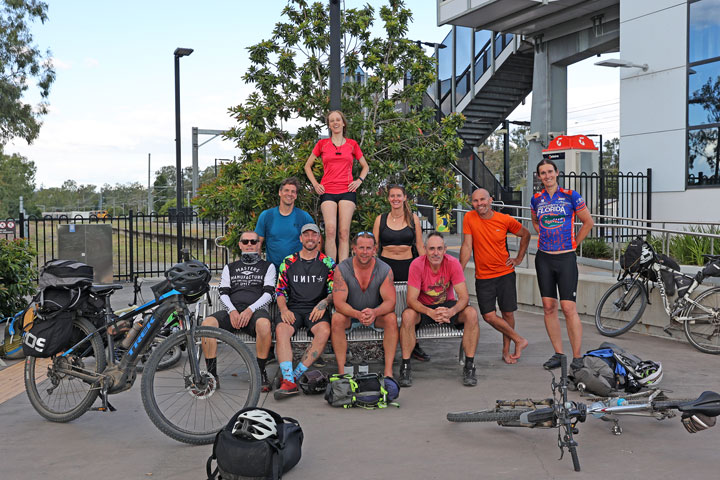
[[179, 52]]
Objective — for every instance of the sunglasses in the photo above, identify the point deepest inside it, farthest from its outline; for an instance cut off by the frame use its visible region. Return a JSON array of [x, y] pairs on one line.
[[364, 234], [245, 241]]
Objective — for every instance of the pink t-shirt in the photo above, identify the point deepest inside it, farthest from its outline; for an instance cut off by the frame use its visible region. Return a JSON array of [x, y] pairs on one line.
[[337, 163], [435, 288]]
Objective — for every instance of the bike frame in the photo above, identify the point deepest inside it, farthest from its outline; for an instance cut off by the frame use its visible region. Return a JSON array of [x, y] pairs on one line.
[[123, 373]]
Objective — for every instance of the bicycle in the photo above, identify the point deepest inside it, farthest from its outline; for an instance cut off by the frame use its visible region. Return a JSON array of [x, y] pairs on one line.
[[185, 401], [558, 412], [621, 307]]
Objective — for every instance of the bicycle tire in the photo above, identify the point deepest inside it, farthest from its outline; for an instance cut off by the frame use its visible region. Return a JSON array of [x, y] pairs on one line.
[[208, 408], [703, 333], [615, 317], [60, 397], [487, 415], [169, 360], [575, 459]]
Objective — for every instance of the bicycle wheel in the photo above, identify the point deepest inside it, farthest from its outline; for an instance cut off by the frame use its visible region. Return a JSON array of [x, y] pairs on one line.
[[193, 412], [620, 308], [50, 385], [703, 330], [487, 415], [170, 359]]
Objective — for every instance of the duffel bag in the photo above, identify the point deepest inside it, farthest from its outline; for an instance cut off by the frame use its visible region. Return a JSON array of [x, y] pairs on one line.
[[66, 274], [45, 338], [340, 392], [256, 443]]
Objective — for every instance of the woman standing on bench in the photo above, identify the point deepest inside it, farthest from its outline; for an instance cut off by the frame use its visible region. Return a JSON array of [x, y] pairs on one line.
[[399, 236], [337, 188]]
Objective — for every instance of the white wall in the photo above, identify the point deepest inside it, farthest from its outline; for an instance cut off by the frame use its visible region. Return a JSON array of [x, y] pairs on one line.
[[695, 205], [653, 103]]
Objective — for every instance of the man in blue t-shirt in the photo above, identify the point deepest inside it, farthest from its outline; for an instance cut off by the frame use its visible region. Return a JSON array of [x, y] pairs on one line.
[[279, 227]]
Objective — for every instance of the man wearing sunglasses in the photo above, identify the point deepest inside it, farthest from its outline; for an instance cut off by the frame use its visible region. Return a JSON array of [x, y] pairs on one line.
[[246, 288], [304, 296], [364, 294]]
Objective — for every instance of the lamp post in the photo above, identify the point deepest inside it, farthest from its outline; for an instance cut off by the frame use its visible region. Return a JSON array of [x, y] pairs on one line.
[[179, 52]]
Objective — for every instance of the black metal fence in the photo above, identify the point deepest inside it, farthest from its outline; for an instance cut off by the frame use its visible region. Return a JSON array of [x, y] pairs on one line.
[[615, 194], [142, 245]]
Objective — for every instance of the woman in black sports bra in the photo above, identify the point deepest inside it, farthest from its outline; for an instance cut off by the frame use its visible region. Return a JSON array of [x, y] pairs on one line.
[[397, 232]]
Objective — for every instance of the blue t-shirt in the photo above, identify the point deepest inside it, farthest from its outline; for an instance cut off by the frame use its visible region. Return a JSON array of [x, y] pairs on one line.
[[281, 232], [556, 216]]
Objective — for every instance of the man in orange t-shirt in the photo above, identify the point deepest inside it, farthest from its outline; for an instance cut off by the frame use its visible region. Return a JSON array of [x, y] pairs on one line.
[[485, 235]]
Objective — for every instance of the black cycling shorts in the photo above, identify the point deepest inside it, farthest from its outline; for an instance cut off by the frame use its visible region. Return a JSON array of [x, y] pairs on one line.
[[223, 318], [499, 289], [302, 320], [426, 320], [557, 274], [336, 197]]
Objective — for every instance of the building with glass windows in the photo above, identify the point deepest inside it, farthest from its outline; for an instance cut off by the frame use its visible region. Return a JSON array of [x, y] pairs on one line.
[[669, 59]]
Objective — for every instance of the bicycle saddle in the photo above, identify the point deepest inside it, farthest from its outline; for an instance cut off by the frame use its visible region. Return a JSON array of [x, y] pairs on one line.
[[105, 289], [708, 403]]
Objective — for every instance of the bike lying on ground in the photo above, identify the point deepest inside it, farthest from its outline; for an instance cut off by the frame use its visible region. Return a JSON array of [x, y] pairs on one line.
[[621, 307], [185, 401], [558, 412]]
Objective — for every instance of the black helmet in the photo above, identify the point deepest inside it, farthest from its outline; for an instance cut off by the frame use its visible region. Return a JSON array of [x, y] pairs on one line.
[[313, 382], [189, 278]]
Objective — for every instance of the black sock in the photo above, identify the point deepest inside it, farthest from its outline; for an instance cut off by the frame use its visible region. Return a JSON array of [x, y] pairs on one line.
[[406, 363], [261, 363], [469, 361], [211, 364]]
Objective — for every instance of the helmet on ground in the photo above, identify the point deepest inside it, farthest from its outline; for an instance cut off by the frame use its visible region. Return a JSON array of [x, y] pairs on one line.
[[256, 423], [392, 388], [189, 278], [648, 372], [313, 382], [698, 422]]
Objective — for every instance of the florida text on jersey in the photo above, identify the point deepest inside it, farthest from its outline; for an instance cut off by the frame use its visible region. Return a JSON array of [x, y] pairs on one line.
[[556, 216]]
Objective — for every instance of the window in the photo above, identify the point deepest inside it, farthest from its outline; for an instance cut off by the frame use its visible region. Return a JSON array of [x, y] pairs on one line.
[[703, 93]]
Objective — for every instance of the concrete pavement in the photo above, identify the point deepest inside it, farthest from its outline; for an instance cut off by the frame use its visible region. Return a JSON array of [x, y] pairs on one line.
[[412, 442]]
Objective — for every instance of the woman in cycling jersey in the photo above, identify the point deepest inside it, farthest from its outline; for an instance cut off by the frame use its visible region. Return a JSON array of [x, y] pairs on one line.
[[397, 232], [554, 211], [337, 188]]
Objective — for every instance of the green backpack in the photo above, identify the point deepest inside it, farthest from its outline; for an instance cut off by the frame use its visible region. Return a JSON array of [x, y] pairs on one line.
[[367, 390]]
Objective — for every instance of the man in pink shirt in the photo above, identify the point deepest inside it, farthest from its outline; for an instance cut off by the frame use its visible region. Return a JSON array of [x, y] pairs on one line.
[[430, 299]]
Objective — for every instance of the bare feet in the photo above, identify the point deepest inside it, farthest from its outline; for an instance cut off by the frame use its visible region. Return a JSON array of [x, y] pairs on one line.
[[508, 358], [519, 346]]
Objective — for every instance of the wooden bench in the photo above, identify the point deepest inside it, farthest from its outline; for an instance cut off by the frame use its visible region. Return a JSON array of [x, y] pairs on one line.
[[358, 334]]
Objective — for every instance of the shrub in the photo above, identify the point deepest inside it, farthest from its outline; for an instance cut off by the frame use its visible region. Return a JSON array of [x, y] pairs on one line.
[[595, 248], [689, 249], [17, 276]]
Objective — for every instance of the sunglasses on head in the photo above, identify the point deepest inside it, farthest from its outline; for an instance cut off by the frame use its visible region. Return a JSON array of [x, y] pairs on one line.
[[245, 241], [364, 234]]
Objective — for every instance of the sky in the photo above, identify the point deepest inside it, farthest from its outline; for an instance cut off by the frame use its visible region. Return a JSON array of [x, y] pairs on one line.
[[112, 102]]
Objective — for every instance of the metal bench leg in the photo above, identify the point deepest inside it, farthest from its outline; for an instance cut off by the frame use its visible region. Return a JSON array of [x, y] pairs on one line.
[[461, 354]]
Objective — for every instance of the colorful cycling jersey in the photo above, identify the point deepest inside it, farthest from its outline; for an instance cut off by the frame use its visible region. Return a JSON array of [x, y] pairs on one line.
[[304, 283], [556, 216]]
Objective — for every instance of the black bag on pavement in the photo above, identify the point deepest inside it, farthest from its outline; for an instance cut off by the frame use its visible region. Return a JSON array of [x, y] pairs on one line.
[[239, 457]]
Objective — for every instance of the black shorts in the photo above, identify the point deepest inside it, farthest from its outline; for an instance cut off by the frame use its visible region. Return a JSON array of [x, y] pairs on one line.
[[223, 318], [336, 197], [400, 268], [501, 289], [302, 320], [557, 273], [425, 320]]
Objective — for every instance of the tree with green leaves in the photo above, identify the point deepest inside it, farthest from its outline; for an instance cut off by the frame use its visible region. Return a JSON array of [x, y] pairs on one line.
[[21, 61], [17, 178], [385, 81]]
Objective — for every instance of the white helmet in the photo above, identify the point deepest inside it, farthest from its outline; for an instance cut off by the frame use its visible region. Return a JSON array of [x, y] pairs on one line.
[[646, 254], [257, 424], [648, 372]]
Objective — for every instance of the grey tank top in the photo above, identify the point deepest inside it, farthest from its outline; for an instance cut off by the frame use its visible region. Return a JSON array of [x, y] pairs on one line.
[[370, 298]]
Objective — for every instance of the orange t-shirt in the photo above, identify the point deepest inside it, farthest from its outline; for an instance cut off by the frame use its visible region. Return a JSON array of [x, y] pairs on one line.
[[489, 240]]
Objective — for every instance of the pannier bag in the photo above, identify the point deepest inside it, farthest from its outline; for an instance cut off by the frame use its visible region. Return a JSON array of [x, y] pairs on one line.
[[256, 443], [66, 274], [367, 390], [711, 269], [636, 256], [44, 338]]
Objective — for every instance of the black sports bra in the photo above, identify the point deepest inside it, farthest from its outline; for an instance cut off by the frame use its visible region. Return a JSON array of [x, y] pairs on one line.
[[388, 236]]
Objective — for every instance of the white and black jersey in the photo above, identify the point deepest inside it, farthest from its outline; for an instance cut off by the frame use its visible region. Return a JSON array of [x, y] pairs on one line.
[[243, 285]]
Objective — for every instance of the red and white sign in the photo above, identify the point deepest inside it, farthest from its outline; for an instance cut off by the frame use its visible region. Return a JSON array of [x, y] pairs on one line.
[[7, 226], [571, 142]]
